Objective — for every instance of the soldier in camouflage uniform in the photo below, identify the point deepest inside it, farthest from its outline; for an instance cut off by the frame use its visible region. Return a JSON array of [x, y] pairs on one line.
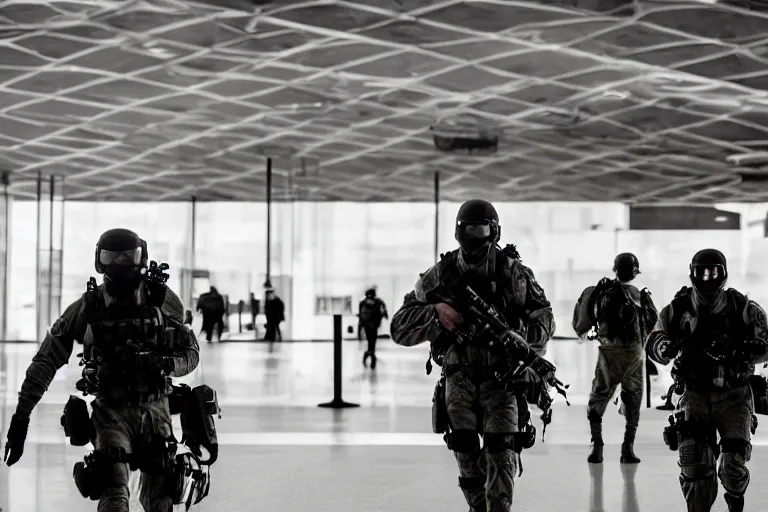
[[131, 417], [475, 403], [717, 336], [622, 328]]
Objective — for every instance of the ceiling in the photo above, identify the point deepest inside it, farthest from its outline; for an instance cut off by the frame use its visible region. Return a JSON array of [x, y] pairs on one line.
[[595, 100]]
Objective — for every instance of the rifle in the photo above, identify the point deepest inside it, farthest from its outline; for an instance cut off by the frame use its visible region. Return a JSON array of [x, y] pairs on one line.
[[481, 318]]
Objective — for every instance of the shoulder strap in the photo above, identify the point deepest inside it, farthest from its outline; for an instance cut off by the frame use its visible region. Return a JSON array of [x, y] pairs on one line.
[[681, 304], [739, 302]]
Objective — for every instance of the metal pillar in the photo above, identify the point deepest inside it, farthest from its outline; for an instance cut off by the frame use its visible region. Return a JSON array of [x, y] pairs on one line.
[[50, 242], [39, 296], [52, 188], [269, 221], [5, 231], [437, 214], [192, 253]]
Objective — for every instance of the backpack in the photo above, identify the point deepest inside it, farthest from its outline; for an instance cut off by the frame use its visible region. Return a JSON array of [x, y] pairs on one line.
[[612, 309], [370, 311]]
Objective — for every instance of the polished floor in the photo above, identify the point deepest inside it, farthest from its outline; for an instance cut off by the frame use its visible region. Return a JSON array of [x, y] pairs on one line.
[[281, 453]]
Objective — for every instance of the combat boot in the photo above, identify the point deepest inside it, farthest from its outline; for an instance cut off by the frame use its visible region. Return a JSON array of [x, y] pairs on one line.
[[596, 429], [373, 361], [365, 358], [735, 503], [627, 449]]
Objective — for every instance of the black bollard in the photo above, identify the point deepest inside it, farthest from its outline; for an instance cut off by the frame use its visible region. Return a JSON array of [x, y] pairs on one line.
[[647, 384], [337, 402], [240, 307]]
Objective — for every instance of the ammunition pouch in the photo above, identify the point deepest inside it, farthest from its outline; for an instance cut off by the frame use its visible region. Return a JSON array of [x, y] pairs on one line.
[[440, 423], [670, 434], [91, 475], [462, 441], [680, 429], [197, 407], [77, 423], [524, 438], [759, 385]]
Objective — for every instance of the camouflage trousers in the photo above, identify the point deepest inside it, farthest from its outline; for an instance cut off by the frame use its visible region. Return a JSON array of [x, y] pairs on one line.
[[618, 366], [132, 428], [487, 475], [729, 413]]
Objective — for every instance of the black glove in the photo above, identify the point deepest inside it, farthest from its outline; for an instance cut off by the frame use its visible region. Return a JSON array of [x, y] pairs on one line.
[[671, 350], [17, 434], [543, 368], [752, 348]]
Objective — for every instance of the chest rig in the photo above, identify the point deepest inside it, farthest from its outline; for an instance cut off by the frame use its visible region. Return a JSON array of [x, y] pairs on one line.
[[711, 340], [124, 346], [494, 289]]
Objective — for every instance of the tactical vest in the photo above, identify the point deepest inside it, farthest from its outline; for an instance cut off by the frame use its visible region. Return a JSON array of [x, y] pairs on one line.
[[117, 335], [493, 290], [705, 356]]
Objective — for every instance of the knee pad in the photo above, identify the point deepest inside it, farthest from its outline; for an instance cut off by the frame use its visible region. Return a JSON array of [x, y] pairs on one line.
[[594, 417], [471, 483], [739, 446], [463, 441], [497, 443], [92, 476]]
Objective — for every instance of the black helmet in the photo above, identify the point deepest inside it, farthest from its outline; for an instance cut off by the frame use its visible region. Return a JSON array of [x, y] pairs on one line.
[[120, 256], [627, 266], [477, 225], [708, 272], [370, 292]]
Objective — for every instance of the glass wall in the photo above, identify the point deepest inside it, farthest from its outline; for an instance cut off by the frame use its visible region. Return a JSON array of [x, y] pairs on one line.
[[326, 250]]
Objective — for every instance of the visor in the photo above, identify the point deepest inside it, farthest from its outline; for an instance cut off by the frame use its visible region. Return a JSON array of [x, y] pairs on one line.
[[475, 229], [131, 257], [708, 272]]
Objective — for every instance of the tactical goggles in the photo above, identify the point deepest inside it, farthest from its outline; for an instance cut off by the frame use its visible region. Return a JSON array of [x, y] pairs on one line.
[[476, 229], [130, 257], [706, 272]]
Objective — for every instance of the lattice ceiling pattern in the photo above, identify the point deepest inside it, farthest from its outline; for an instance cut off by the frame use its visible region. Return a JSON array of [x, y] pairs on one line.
[[164, 99]]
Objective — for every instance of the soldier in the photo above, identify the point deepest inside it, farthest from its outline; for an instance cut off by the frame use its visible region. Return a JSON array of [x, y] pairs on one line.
[[474, 401], [622, 316], [134, 340], [716, 336]]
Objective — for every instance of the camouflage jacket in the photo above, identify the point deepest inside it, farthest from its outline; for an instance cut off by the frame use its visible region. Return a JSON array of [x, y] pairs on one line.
[[57, 347], [521, 297]]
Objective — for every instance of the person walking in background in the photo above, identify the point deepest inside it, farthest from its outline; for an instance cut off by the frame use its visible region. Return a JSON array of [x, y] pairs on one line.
[[211, 305], [274, 310], [372, 312]]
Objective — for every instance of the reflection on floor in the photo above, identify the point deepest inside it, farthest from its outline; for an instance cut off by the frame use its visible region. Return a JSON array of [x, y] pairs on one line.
[[281, 453]]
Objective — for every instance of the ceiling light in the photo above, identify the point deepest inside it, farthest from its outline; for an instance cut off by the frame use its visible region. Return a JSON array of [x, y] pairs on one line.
[[621, 95]]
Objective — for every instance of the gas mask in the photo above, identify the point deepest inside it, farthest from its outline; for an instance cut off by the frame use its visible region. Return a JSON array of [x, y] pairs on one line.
[[475, 239], [122, 270], [708, 273]]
